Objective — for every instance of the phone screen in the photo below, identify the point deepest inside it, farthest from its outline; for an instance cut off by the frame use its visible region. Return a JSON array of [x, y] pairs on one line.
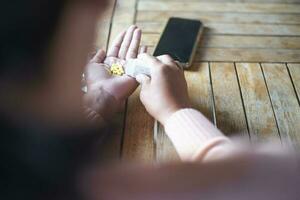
[[179, 39]]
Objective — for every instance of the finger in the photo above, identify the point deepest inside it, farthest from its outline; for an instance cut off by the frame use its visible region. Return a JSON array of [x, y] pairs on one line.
[[126, 42], [149, 62], [143, 49], [165, 59], [99, 57], [111, 60], [116, 45], [148, 59], [168, 60], [134, 45], [143, 79]]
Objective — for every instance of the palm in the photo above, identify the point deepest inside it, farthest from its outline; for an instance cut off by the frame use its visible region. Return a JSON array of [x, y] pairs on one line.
[[125, 46]]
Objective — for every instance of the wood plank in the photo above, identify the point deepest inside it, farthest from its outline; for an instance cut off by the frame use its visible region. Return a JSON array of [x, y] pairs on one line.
[[110, 147], [124, 16], [238, 1], [234, 41], [284, 101], [138, 132], [230, 116], [102, 38], [138, 142], [253, 29], [234, 29], [247, 55], [244, 55], [258, 108], [125, 11], [268, 42], [200, 93], [165, 151], [219, 7], [103, 27], [200, 89], [150, 39], [295, 75], [214, 17]]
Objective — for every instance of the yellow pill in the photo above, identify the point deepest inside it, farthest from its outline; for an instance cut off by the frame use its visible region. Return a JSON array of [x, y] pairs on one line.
[[117, 69]]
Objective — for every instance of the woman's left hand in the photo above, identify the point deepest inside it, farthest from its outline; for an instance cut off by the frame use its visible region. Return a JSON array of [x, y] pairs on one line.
[[106, 93]]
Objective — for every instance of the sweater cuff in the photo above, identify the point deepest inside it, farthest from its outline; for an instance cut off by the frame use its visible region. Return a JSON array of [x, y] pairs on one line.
[[192, 133]]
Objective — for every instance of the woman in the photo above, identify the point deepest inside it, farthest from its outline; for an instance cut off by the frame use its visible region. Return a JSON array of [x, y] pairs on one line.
[[47, 127]]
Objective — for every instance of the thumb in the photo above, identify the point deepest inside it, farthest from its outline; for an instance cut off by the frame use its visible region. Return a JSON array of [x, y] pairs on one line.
[[143, 79]]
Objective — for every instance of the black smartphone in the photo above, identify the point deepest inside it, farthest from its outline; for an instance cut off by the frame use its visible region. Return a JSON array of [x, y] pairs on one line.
[[180, 39]]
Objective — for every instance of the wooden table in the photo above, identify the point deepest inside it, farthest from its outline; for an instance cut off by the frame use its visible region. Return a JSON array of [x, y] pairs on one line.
[[245, 78]]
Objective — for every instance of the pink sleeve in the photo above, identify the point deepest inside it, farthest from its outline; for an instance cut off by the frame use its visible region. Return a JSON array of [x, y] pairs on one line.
[[193, 135], [248, 174]]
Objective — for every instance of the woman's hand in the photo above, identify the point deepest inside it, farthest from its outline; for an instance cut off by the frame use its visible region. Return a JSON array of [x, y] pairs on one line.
[[106, 94], [166, 91]]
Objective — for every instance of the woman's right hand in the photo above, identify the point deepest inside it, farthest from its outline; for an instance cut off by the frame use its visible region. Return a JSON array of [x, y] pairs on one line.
[[166, 91]]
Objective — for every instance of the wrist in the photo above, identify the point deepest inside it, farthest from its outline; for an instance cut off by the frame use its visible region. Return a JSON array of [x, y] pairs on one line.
[[163, 118]]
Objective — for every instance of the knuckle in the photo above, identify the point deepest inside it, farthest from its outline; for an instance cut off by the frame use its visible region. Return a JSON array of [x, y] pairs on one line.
[[143, 55], [131, 54], [177, 68], [167, 57], [133, 50], [117, 46], [162, 68]]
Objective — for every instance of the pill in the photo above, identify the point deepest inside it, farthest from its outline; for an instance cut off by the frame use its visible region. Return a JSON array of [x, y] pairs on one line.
[[117, 69]]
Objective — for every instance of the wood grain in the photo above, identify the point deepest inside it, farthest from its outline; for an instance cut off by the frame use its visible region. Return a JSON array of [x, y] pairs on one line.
[[244, 55], [219, 7], [233, 29], [198, 79], [230, 116], [247, 55], [260, 116], [236, 41], [284, 101], [103, 27], [102, 32], [238, 1], [110, 147], [200, 89], [138, 138], [124, 16], [245, 98], [295, 75], [165, 151], [220, 17], [138, 141]]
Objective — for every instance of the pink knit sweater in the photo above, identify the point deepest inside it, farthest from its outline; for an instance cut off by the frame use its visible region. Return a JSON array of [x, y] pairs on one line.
[[193, 136], [214, 167]]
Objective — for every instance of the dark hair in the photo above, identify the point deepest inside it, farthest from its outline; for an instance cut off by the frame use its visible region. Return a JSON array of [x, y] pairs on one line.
[[27, 27]]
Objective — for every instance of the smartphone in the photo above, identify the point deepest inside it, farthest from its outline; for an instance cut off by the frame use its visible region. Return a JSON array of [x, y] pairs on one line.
[[180, 39]]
